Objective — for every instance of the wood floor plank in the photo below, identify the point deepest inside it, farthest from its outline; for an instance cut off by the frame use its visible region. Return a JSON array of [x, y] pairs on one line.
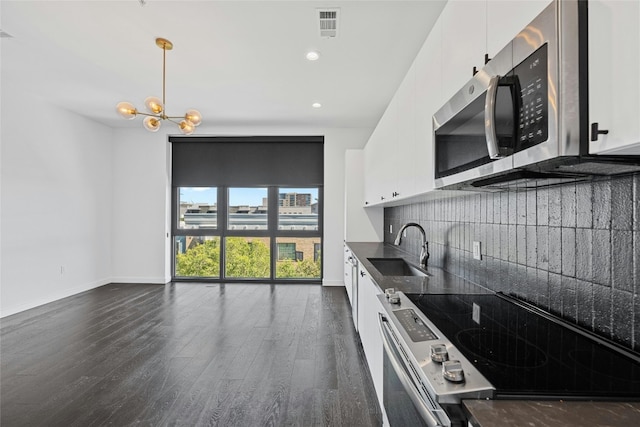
[[187, 354]]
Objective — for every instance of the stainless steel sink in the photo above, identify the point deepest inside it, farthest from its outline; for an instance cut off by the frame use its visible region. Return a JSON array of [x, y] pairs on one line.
[[396, 267]]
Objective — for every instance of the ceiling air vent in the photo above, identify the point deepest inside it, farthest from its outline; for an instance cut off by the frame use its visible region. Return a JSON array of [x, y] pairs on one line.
[[328, 22]]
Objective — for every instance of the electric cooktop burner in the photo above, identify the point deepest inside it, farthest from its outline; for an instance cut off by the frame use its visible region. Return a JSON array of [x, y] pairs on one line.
[[525, 353], [500, 348]]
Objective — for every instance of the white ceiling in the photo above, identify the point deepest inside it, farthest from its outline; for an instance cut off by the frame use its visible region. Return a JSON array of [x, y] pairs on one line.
[[238, 62]]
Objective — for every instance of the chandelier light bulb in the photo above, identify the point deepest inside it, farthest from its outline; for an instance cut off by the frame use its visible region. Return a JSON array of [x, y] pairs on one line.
[[152, 124], [126, 110], [154, 105], [187, 127], [194, 117]]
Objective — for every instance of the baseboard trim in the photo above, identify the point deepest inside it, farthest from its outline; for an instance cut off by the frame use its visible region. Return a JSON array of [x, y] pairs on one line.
[[332, 283], [60, 294], [141, 280]]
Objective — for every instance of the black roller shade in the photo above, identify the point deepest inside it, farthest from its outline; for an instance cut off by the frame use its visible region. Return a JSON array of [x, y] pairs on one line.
[[254, 160]]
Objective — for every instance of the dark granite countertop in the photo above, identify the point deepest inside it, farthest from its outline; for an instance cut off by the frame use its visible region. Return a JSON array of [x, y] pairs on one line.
[[439, 281], [515, 413], [495, 413]]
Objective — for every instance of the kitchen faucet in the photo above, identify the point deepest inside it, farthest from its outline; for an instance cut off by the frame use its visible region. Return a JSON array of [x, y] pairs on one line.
[[424, 250]]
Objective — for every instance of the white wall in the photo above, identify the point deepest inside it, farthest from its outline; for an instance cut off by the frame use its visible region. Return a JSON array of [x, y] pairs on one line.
[[360, 224], [140, 206], [141, 248], [85, 205], [56, 170], [336, 141]]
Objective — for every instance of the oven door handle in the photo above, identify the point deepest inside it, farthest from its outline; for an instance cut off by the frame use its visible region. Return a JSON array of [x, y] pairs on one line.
[[407, 382], [490, 118]]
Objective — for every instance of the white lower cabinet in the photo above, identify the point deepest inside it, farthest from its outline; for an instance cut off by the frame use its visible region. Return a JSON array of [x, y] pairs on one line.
[[368, 308], [348, 273]]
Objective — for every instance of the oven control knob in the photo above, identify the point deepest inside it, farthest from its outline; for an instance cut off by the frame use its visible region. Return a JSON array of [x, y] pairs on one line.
[[394, 298], [452, 371], [439, 353], [389, 291]]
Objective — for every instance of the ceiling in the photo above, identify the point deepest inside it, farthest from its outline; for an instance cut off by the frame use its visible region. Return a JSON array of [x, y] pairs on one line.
[[238, 62]]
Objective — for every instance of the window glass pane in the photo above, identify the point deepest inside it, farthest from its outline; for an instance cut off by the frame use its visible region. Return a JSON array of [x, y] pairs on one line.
[[198, 207], [305, 262], [248, 257], [286, 251], [297, 208], [248, 208], [197, 256]]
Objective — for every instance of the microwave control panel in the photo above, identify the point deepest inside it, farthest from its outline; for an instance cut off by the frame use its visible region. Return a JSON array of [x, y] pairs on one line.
[[534, 110]]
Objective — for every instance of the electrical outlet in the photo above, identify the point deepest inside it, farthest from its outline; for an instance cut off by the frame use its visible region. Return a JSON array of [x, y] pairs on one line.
[[476, 251]]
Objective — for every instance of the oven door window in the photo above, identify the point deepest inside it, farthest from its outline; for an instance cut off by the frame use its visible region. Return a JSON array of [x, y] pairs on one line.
[[397, 403]]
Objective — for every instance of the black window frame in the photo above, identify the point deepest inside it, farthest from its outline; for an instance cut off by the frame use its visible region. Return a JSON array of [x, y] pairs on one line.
[[272, 232]]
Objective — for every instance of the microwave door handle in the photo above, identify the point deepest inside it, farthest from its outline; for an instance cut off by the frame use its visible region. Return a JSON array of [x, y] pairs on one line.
[[407, 382], [490, 118]]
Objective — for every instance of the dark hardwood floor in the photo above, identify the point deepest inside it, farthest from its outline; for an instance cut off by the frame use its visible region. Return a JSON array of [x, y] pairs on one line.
[[187, 354]]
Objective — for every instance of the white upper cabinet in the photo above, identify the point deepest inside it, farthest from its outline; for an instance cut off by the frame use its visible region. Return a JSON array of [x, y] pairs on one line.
[[380, 154], [372, 166], [464, 42], [399, 154], [473, 31], [399, 161], [429, 97], [506, 18], [614, 75], [406, 159]]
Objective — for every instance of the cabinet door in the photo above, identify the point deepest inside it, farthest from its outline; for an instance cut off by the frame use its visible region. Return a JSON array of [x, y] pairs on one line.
[[464, 42], [389, 152], [372, 167], [368, 309], [406, 169], [506, 18], [380, 154], [614, 73], [429, 99], [348, 273]]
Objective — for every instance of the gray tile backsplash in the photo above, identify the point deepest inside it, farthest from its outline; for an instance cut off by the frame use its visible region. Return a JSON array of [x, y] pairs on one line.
[[572, 249]]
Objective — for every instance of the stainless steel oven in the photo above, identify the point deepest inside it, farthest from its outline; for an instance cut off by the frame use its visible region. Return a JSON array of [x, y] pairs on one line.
[[416, 390], [525, 114], [452, 347], [405, 398]]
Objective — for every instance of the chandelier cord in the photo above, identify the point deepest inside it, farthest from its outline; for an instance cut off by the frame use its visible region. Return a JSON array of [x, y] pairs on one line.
[[164, 64]]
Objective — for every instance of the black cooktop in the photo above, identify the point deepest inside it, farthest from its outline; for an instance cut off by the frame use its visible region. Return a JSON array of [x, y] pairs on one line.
[[524, 353]]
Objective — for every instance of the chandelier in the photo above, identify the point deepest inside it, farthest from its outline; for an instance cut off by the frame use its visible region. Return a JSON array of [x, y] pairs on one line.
[[153, 120]]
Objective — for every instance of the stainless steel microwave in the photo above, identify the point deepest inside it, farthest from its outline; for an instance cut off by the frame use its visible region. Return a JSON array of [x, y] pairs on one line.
[[525, 114]]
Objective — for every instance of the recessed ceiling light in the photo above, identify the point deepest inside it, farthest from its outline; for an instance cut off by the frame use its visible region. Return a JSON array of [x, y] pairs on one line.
[[313, 55], [316, 105]]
